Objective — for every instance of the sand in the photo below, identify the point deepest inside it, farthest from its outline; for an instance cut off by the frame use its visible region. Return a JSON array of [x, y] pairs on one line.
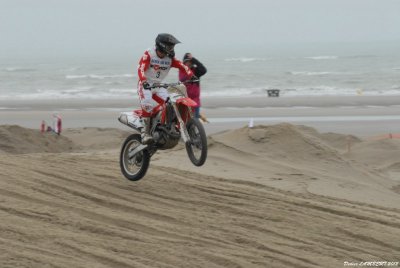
[[364, 116], [304, 187]]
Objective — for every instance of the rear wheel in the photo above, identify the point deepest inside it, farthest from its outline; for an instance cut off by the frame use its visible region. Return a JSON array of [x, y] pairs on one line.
[[135, 167], [196, 146]]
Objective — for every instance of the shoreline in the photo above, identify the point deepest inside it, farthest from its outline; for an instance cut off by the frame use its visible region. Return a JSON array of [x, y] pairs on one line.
[[358, 122], [362, 116], [207, 102]]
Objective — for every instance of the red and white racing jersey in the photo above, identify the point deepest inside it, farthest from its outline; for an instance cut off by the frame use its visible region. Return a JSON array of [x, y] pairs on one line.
[[154, 69]]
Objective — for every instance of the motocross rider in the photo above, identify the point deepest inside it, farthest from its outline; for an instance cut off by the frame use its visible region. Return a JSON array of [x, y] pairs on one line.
[[153, 67]]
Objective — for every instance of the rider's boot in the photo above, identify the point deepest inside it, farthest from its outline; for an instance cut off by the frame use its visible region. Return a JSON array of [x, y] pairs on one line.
[[145, 131]]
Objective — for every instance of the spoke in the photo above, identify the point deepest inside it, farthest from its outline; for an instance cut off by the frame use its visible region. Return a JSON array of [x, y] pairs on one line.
[[132, 165]]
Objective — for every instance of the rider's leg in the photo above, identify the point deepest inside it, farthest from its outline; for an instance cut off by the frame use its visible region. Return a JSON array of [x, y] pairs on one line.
[[145, 97], [145, 131], [160, 95]]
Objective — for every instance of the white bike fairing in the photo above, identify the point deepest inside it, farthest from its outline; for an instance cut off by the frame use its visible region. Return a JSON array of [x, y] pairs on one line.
[[131, 119]]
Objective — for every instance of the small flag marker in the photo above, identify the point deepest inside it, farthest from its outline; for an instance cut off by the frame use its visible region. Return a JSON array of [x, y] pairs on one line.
[[251, 123]]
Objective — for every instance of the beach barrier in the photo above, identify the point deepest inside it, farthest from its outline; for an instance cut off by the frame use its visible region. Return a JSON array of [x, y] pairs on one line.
[[43, 126], [385, 136], [349, 142]]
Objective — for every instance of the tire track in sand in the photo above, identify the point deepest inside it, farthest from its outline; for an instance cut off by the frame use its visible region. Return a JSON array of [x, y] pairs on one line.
[[176, 218]]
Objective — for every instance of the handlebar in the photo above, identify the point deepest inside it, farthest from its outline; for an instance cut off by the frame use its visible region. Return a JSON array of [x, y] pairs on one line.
[[166, 85]]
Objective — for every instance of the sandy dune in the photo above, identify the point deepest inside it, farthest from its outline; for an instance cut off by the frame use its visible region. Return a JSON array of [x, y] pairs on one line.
[[16, 139], [270, 196]]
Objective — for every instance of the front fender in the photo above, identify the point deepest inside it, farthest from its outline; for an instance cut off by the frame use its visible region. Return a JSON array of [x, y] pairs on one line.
[[187, 102]]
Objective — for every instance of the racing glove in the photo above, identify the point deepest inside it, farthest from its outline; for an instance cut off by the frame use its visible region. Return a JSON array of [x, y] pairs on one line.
[[146, 85]]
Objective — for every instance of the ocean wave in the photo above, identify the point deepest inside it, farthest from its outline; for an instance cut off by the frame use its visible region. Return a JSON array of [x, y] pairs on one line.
[[72, 93], [311, 73], [19, 69], [360, 56], [244, 59], [323, 57], [321, 91], [95, 76], [301, 91], [234, 92], [339, 91], [71, 69], [122, 93]]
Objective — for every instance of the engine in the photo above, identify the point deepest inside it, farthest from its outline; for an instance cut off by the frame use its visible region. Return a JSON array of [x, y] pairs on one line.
[[166, 138]]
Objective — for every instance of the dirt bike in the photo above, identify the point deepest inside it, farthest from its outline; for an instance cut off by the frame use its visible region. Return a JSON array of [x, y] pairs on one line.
[[171, 120]]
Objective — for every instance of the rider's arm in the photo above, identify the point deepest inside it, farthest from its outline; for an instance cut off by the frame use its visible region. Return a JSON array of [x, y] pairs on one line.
[[144, 64], [178, 64]]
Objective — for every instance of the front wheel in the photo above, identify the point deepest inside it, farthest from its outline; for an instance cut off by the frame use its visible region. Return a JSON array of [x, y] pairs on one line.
[[133, 167], [196, 146]]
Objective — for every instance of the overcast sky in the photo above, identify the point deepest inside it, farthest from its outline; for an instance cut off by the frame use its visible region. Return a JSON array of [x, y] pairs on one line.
[[107, 27]]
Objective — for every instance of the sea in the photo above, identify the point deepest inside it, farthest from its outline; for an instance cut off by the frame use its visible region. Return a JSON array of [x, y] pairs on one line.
[[238, 74]]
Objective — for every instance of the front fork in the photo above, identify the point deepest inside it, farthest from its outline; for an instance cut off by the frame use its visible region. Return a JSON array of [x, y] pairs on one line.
[[185, 134]]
